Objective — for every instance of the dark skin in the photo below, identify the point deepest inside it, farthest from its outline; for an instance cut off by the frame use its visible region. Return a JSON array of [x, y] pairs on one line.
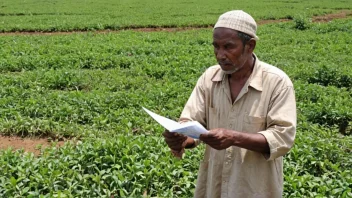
[[231, 54], [177, 141]]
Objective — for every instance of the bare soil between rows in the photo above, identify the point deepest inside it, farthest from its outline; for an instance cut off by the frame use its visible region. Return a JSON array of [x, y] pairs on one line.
[[317, 19], [34, 144], [27, 144]]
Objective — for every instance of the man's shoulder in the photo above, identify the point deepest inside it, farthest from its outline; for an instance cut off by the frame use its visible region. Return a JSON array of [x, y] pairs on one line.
[[212, 72], [213, 69], [271, 72]]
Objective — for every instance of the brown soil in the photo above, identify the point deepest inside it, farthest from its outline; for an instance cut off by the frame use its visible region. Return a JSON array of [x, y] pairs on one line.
[[325, 18], [28, 144], [262, 22]]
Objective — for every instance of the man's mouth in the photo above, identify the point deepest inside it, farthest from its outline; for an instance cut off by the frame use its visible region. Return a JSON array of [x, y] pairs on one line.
[[225, 63]]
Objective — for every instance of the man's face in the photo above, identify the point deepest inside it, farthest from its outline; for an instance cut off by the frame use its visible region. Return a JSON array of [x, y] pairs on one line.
[[229, 50]]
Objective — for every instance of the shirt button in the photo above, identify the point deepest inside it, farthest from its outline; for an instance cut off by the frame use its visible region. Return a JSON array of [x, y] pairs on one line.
[[230, 125], [226, 163]]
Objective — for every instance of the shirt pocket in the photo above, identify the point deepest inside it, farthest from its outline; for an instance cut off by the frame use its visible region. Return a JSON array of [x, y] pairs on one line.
[[253, 124]]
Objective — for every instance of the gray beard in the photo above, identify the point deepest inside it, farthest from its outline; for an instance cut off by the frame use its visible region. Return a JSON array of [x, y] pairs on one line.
[[231, 71], [234, 70]]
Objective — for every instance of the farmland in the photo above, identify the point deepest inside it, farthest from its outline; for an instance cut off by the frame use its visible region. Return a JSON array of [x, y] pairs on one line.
[[68, 15], [90, 87]]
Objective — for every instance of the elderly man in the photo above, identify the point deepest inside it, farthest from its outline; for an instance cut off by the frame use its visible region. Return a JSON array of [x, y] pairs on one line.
[[249, 108]]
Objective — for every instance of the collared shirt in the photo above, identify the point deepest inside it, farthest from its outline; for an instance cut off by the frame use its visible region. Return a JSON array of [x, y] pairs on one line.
[[266, 104]]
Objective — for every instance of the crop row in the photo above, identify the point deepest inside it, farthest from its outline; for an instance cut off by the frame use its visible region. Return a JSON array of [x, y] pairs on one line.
[[119, 165], [114, 103], [125, 165], [317, 55], [102, 51], [45, 103], [49, 16]]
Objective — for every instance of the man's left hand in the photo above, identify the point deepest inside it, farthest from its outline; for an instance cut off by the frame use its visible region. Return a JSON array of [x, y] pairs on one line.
[[218, 138]]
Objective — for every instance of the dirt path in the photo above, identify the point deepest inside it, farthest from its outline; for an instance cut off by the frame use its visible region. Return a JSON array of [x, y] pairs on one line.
[[329, 17], [320, 19], [28, 144]]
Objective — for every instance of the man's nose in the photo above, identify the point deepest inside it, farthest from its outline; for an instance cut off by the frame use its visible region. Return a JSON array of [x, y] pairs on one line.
[[220, 54]]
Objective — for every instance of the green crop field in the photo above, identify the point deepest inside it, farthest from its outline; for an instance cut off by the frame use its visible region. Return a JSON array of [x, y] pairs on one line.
[[68, 15], [90, 87]]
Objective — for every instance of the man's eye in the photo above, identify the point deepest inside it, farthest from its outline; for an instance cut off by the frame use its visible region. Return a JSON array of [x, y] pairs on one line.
[[228, 46]]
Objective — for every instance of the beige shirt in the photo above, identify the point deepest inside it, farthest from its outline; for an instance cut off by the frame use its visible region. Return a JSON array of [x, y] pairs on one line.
[[266, 105]]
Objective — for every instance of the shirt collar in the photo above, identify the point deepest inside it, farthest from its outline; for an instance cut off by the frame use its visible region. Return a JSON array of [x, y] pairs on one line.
[[218, 76], [255, 79]]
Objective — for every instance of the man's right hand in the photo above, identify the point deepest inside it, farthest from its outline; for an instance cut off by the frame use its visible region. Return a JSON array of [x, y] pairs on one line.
[[175, 141]]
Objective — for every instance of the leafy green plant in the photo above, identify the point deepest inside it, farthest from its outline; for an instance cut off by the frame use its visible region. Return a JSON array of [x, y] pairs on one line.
[[330, 76], [316, 103], [301, 22]]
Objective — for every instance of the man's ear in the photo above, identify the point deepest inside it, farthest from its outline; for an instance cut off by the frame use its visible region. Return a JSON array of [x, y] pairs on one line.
[[251, 45]]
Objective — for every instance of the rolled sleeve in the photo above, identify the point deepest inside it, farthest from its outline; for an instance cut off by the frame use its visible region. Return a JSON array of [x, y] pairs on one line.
[[281, 122]]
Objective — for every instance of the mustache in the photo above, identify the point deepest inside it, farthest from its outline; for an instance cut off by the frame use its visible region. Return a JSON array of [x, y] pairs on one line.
[[224, 63]]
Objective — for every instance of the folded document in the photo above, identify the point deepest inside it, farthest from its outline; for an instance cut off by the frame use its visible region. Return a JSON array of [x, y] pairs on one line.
[[192, 129]]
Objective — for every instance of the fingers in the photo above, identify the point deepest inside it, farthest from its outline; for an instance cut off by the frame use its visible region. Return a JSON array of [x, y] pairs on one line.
[[207, 137], [175, 141], [218, 145], [173, 136], [167, 134], [212, 140], [178, 154]]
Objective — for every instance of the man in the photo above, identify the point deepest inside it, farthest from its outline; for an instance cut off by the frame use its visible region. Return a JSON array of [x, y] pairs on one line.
[[249, 108]]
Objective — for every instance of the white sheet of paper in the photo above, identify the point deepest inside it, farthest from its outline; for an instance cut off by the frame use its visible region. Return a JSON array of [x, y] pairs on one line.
[[192, 129]]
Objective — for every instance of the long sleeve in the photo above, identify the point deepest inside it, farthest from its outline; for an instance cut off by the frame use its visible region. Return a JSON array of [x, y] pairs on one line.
[[194, 109]]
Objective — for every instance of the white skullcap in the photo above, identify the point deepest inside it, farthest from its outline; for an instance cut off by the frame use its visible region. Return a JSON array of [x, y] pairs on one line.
[[239, 21]]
